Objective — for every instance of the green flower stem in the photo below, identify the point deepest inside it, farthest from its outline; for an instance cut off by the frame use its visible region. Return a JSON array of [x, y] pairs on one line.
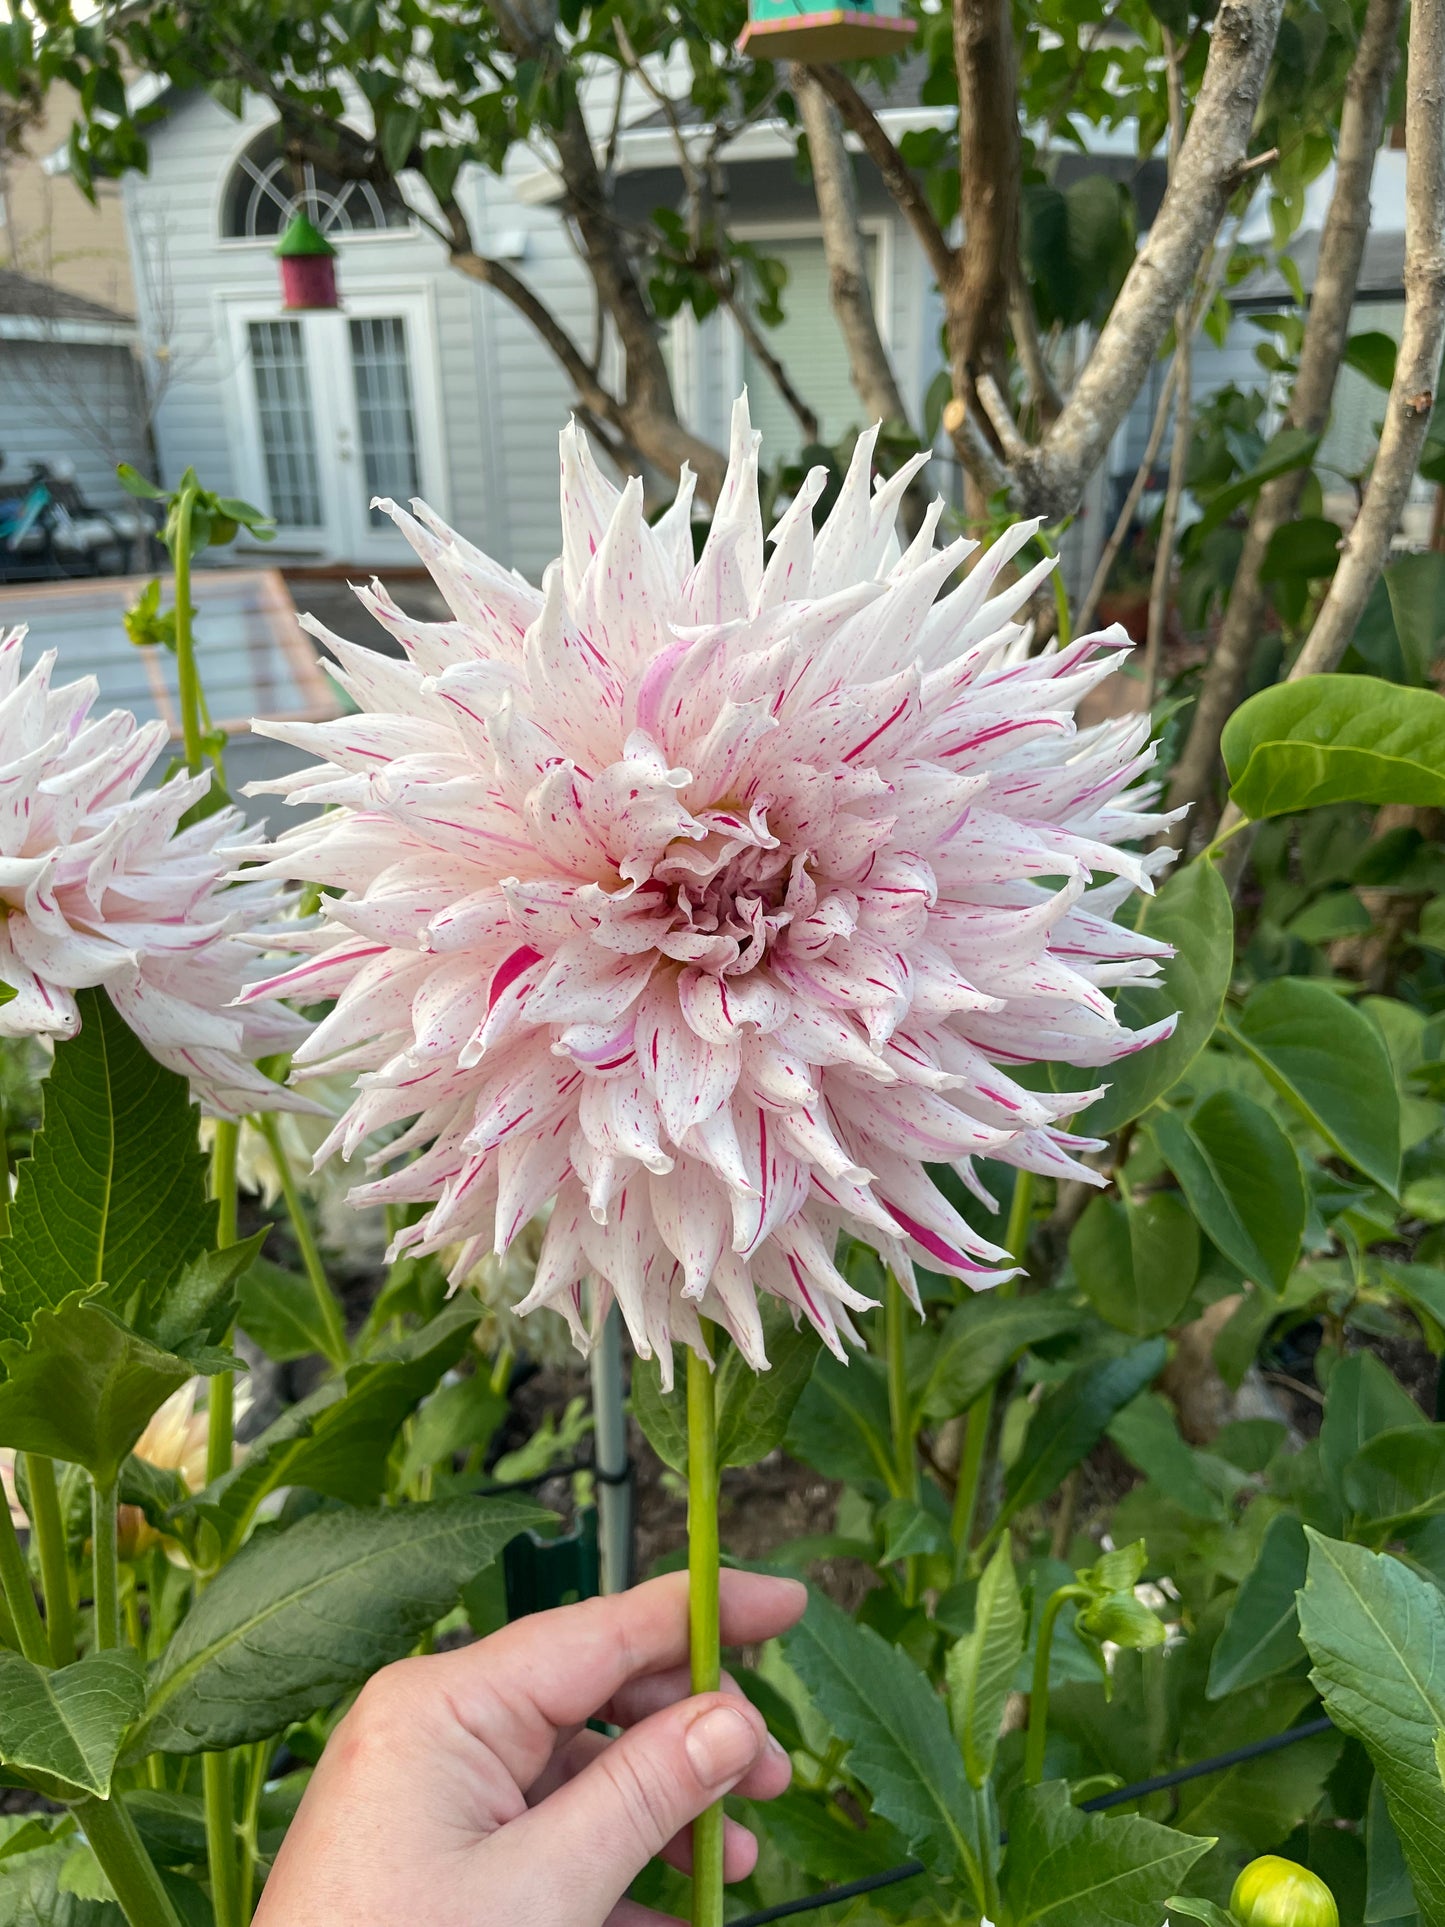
[[980, 1414], [900, 1411], [54, 1566], [218, 1787], [216, 1775], [19, 1593], [103, 1528], [186, 677], [1039, 1686], [258, 1759], [128, 1867], [220, 1391], [336, 1347], [703, 1616]]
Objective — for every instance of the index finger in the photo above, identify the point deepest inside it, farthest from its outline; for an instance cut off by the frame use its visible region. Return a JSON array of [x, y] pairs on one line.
[[515, 1691]]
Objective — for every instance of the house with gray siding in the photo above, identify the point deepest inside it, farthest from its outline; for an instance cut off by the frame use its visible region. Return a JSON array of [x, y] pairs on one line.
[[425, 383]]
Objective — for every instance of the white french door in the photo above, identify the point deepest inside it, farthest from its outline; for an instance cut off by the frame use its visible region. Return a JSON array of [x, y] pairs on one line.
[[332, 409]]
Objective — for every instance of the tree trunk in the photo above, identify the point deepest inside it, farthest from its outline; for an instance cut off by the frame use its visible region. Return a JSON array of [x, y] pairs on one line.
[[1342, 246], [976, 298], [1051, 480]]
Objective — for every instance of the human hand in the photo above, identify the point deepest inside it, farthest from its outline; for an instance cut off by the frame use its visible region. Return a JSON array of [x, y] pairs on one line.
[[465, 1789]]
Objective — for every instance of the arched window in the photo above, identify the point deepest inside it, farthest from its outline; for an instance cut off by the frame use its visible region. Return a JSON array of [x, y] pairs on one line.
[[266, 188]]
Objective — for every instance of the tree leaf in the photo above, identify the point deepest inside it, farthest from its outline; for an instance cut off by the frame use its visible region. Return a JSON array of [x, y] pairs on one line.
[[114, 1192], [1376, 1632], [63, 1729], [840, 1425], [84, 1387], [1363, 1399], [1243, 1181], [1373, 353], [301, 1616], [1330, 1061], [981, 1338], [1261, 1635], [982, 1664], [1136, 1263], [1072, 1419], [1397, 1478], [1193, 912], [900, 1745], [1082, 1870], [1335, 739]]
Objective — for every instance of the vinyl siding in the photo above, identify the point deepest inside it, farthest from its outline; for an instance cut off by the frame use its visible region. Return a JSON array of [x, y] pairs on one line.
[[65, 401]]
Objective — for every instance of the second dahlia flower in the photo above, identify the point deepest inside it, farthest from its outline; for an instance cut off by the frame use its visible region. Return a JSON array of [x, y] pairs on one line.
[[99, 887], [713, 899]]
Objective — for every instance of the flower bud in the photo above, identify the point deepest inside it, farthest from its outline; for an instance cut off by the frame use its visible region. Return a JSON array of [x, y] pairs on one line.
[[1279, 1893]]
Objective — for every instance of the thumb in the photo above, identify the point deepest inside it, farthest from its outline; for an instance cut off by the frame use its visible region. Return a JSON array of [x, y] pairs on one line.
[[595, 1834]]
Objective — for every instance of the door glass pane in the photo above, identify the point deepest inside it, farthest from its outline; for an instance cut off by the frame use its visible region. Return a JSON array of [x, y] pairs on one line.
[[288, 431], [385, 417], [809, 345]]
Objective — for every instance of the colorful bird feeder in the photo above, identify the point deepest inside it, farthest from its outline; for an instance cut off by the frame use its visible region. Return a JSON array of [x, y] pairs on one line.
[[308, 266], [855, 30]]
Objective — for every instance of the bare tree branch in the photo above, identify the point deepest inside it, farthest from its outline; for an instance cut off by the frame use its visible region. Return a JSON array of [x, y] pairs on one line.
[[1163, 579], [898, 178], [995, 405], [1052, 479], [1163, 408], [1023, 325], [976, 299], [1417, 366], [776, 373], [1342, 248], [848, 285]]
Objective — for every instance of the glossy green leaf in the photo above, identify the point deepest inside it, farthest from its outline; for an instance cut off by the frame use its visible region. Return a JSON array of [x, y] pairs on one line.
[[1243, 1181], [83, 1387], [63, 1730], [1073, 1869], [114, 1192], [982, 1664], [1363, 1400], [1335, 739], [301, 1616], [1147, 1433], [1136, 1264], [1389, 1895], [1193, 912], [1330, 1061], [981, 1338], [1374, 1631], [1187, 1907], [1397, 1478], [1072, 1419], [1261, 1635], [899, 1740]]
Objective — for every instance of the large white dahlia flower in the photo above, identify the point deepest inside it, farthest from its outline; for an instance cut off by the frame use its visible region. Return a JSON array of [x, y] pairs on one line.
[[708, 899], [99, 887]]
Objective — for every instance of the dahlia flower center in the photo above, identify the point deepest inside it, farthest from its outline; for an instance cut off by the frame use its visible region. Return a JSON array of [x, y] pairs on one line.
[[736, 885]]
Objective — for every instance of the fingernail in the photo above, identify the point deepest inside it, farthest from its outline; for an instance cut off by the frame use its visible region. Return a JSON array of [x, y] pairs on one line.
[[721, 1744], [778, 1750]]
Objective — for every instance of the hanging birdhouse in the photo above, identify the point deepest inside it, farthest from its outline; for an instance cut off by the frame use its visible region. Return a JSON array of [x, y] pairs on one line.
[[308, 266], [854, 30]]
